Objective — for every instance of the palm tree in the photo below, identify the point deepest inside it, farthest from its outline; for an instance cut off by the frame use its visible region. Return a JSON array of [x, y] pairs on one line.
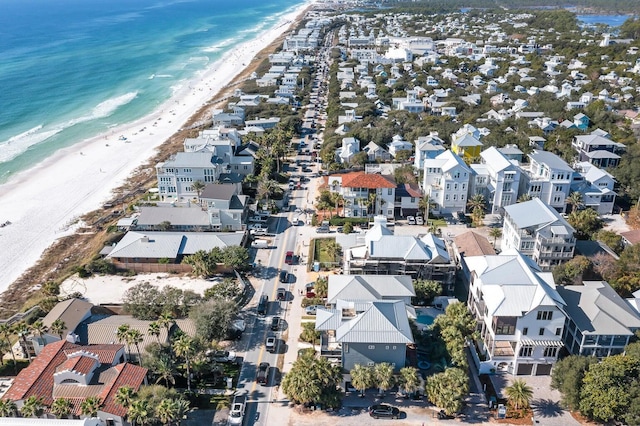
[[410, 379], [154, 330], [361, 377], [8, 408], [424, 204], [4, 348], [476, 202], [166, 411], [90, 406], [519, 394], [495, 233], [124, 396], [181, 408], [61, 407], [184, 347], [434, 229], [333, 249], [135, 337], [166, 320], [122, 335], [23, 330], [198, 186], [523, 198], [58, 327], [338, 200], [32, 407], [164, 370], [39, 327], [371, 203], [6, 331], [383, 374], [138, 413], [575, 200]]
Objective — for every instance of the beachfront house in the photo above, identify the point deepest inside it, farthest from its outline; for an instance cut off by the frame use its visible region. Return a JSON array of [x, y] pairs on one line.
[[226, 208], [177, 175], [519, 313]]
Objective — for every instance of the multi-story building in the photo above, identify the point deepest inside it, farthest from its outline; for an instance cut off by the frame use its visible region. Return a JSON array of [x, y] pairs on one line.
[[519, 312], [596, 187], [548, 177], [446, 182], [427, 147], [365, 194], [598, 149], [497, 179], [177, 175], [539, 232]]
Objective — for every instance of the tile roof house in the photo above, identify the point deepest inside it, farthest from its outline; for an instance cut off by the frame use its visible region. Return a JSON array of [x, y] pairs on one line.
[[519, 312], [538, 231], [378, 334], [386, 254], [359, 188], [74, 372], [599, 321]]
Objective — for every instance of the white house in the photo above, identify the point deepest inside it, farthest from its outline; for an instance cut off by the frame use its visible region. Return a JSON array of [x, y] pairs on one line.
[[446, 182], [538, 231], [350, 146], [497, 179], [519, 312], [177, 175], [427, 147], [548, 177], [596, 186], [398, 144]]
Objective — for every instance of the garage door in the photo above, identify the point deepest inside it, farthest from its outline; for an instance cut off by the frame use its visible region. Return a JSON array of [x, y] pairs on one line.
[[524, 369], [543, 370]]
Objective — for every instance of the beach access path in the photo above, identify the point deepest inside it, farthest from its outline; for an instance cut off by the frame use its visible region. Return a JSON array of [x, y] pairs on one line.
[[45, 202]]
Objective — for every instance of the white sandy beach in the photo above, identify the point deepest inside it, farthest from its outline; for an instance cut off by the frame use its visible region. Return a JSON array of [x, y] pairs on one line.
[[44, 201]]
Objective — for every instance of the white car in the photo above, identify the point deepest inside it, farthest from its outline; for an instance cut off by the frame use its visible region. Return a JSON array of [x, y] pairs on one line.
[[236, 413], [419, 220], [411, 220]]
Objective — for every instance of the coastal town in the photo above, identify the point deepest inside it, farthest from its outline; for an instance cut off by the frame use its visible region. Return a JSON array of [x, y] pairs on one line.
[[394, 213]]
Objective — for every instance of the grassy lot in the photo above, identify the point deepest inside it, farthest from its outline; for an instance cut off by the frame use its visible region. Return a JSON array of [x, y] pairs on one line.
[[321, 253], [438, 222]]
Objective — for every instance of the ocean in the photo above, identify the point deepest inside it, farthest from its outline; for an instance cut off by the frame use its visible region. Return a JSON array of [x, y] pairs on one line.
[[72, 69]]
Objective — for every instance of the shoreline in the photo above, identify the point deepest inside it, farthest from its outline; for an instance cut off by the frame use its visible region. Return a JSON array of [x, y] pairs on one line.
[[45, 202]]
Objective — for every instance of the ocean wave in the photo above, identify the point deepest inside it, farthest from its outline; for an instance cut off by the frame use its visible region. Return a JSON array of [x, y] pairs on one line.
[[164, 76], [20, 143]]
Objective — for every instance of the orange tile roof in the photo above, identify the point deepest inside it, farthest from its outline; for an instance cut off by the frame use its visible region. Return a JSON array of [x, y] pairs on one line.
[[366, 180], [37, 379], [79, 364]]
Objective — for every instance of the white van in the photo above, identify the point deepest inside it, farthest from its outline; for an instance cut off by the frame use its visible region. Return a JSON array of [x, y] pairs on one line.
[[259, 244]]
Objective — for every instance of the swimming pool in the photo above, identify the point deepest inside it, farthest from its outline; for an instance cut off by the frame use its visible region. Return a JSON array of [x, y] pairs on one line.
[[424, 319]]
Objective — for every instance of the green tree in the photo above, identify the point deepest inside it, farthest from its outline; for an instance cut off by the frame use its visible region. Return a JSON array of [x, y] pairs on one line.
[[361, 378], [604, 396], [424, 204], [447, 390], [138, 414], [567, 377], [142, 301], [455, 327], [61, 408], [6, 331], [198, 186], [573, 271], [426, 290], [134, 337], [164, 369], [495, 233], [309, 333], [524, 198], [184, 347], [586, 222], [201, 264], [227, 289], [409, 379], [58, 327], [575, 201], [333, 250], [383, 374], [321, 287], [236, 257], [154, 330], [23, 330], [347, 228], [313, 380], [125, 396], [213, 317], [8, 408], [32, 407], [90, 406], [122, 334], [476, 202], [519, 394], [611, 239], [166, 320], [166, 411]]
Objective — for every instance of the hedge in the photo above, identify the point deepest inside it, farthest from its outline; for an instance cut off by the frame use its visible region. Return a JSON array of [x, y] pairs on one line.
[[340, 221]]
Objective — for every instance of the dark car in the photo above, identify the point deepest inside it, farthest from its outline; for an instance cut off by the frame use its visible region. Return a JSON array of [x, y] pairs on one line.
[[288, 259], [263, 304], [275, 323], [281, 295], [284, 277], [263, 373], [384, 411]]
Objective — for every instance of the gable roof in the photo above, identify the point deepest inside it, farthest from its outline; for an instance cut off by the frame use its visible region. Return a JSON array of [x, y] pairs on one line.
[[218, 191], [366, 180], [369, 287], [71, 312], [495, 159], [597, 309], [446, 161], [473, 244], [533, 213], [383, 322]]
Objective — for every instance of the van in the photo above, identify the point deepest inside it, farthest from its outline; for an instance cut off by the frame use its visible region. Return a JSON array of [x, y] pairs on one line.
[[260, 244], [263, 304]]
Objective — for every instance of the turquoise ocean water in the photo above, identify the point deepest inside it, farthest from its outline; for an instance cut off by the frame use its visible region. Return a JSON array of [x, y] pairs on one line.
[[71, 69]]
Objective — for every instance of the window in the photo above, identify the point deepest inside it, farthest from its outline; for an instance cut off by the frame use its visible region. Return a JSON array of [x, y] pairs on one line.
[[448, 186], [550, 351], [558, 331], [394, 347], [413, 200], [506, 186], [525, 331], [371, 363], [111, 422], [390, 191], [387, 347], [526, 351], [372, 346], [455, 186], [545, 315], [541, 331]]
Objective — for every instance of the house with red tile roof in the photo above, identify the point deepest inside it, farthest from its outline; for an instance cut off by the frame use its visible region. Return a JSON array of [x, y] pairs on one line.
[[74, 372], [364, 194]]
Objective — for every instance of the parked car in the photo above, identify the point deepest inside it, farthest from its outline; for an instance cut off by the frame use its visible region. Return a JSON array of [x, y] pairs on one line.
[[263, 304], [270, 343], [419, 220], [384, 411], [288, 259], [312, 309], [340, 229], [322, 230], [284, 277], [411, 220], [222, 356], [236, 413], [263, 373], [275, 323], [281, 295]]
